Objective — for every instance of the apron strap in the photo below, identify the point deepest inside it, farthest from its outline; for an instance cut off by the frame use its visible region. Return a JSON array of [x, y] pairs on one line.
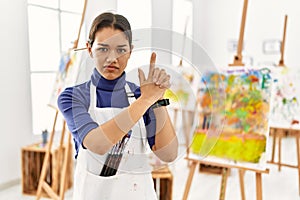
[[130, 94], [131, 98], [93, 96]]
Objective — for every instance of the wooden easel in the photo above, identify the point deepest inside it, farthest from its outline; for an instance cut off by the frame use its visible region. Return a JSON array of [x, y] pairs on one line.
[[187, 115], [281, 61], [276, 131], [225, 169], [52, 191], [239, 57], [43, 185], [279, 132], [187, 120]]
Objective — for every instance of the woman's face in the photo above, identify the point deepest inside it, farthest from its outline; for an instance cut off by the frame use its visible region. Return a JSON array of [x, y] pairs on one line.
[[110, 51]]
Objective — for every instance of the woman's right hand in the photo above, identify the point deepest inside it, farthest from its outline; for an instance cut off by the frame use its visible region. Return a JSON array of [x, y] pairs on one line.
[[154, 87]]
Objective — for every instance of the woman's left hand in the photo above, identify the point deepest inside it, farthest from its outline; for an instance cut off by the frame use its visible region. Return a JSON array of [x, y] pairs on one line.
[[161, 78], [154, 86]]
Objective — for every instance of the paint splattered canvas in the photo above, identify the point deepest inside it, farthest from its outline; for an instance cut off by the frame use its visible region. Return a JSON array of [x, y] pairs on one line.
[[183, 90], [285, 108], [235, 106]]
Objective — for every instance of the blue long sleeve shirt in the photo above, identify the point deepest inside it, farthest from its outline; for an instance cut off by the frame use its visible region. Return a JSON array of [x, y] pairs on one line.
[[74, 103]]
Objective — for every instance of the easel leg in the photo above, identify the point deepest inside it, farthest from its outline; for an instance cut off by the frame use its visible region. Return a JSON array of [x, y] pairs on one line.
[[223, 183], [57, 167], [64, 173], [298, 158], [189, 180], [46, 159], [274, 145], [258, 186], [279, 151], [187, 121], [242, 186], [175, 117], [185, 131]]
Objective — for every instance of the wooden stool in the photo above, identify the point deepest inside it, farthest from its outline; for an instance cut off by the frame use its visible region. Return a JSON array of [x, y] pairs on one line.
[[32, 162], [163, 183]]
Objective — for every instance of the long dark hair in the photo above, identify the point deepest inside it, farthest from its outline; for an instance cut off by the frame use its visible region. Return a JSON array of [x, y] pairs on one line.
[[115, 21]]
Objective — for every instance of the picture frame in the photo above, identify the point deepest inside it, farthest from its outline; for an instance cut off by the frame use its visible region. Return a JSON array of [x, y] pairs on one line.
[[271, 46]]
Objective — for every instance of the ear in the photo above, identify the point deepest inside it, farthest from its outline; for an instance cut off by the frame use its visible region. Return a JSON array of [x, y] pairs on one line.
[[130, 51], [132, 46], [89, 49]]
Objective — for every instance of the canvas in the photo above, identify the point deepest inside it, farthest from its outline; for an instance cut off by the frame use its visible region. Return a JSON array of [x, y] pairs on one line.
[[285, 110], [235, 107], [66, 74]]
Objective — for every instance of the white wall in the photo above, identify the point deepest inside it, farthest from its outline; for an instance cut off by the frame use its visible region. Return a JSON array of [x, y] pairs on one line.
[[93, 9], [217, 21], [15, 106], [162, 19]]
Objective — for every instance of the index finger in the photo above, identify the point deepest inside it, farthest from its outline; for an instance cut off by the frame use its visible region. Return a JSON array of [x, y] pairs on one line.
[[152, 64]]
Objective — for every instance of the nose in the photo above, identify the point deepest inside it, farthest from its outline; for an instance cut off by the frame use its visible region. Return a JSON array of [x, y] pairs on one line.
[[111, 57]]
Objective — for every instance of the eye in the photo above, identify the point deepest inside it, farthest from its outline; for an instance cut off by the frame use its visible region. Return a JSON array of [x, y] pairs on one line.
[[121, 50], [102, 49]]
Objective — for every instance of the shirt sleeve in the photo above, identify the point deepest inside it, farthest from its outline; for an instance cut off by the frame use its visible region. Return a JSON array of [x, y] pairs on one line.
[[74, 105], [150, 123]]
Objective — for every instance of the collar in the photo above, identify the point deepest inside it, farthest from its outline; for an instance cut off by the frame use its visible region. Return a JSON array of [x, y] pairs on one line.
[[110, 85]]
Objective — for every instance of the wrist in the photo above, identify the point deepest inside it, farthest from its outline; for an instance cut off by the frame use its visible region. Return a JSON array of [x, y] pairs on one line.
[[145, 101]]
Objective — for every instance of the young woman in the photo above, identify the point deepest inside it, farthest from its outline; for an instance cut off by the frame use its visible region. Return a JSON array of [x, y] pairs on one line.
[[114, 122]]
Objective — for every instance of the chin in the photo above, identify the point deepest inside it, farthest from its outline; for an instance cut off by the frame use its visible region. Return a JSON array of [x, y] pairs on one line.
[[110, 76]]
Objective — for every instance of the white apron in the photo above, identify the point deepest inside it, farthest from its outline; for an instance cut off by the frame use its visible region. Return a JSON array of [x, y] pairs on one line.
[[133, 179]]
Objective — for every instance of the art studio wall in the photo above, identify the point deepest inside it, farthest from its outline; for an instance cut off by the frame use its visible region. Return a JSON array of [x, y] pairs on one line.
[[15, 106], [217, 22]]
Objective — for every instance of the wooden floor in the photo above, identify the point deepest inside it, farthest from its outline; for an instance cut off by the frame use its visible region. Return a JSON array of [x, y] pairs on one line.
[[276, 185]]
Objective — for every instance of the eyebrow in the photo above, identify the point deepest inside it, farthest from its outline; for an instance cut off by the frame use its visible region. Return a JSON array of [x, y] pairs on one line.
[[102, 44], [106, 45], [123, 45]]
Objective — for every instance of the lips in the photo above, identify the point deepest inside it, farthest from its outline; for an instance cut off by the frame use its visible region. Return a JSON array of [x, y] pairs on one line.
[[111, 67]]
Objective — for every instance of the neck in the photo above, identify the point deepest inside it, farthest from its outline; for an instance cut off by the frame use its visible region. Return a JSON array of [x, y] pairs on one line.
[[102, 83]]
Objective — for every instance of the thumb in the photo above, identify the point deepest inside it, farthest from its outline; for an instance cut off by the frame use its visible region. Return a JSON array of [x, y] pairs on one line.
[[141, 76]]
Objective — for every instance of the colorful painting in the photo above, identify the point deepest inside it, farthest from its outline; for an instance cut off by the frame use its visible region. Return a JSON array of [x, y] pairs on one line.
[[235, 107], [66, 75], [285, 109]]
